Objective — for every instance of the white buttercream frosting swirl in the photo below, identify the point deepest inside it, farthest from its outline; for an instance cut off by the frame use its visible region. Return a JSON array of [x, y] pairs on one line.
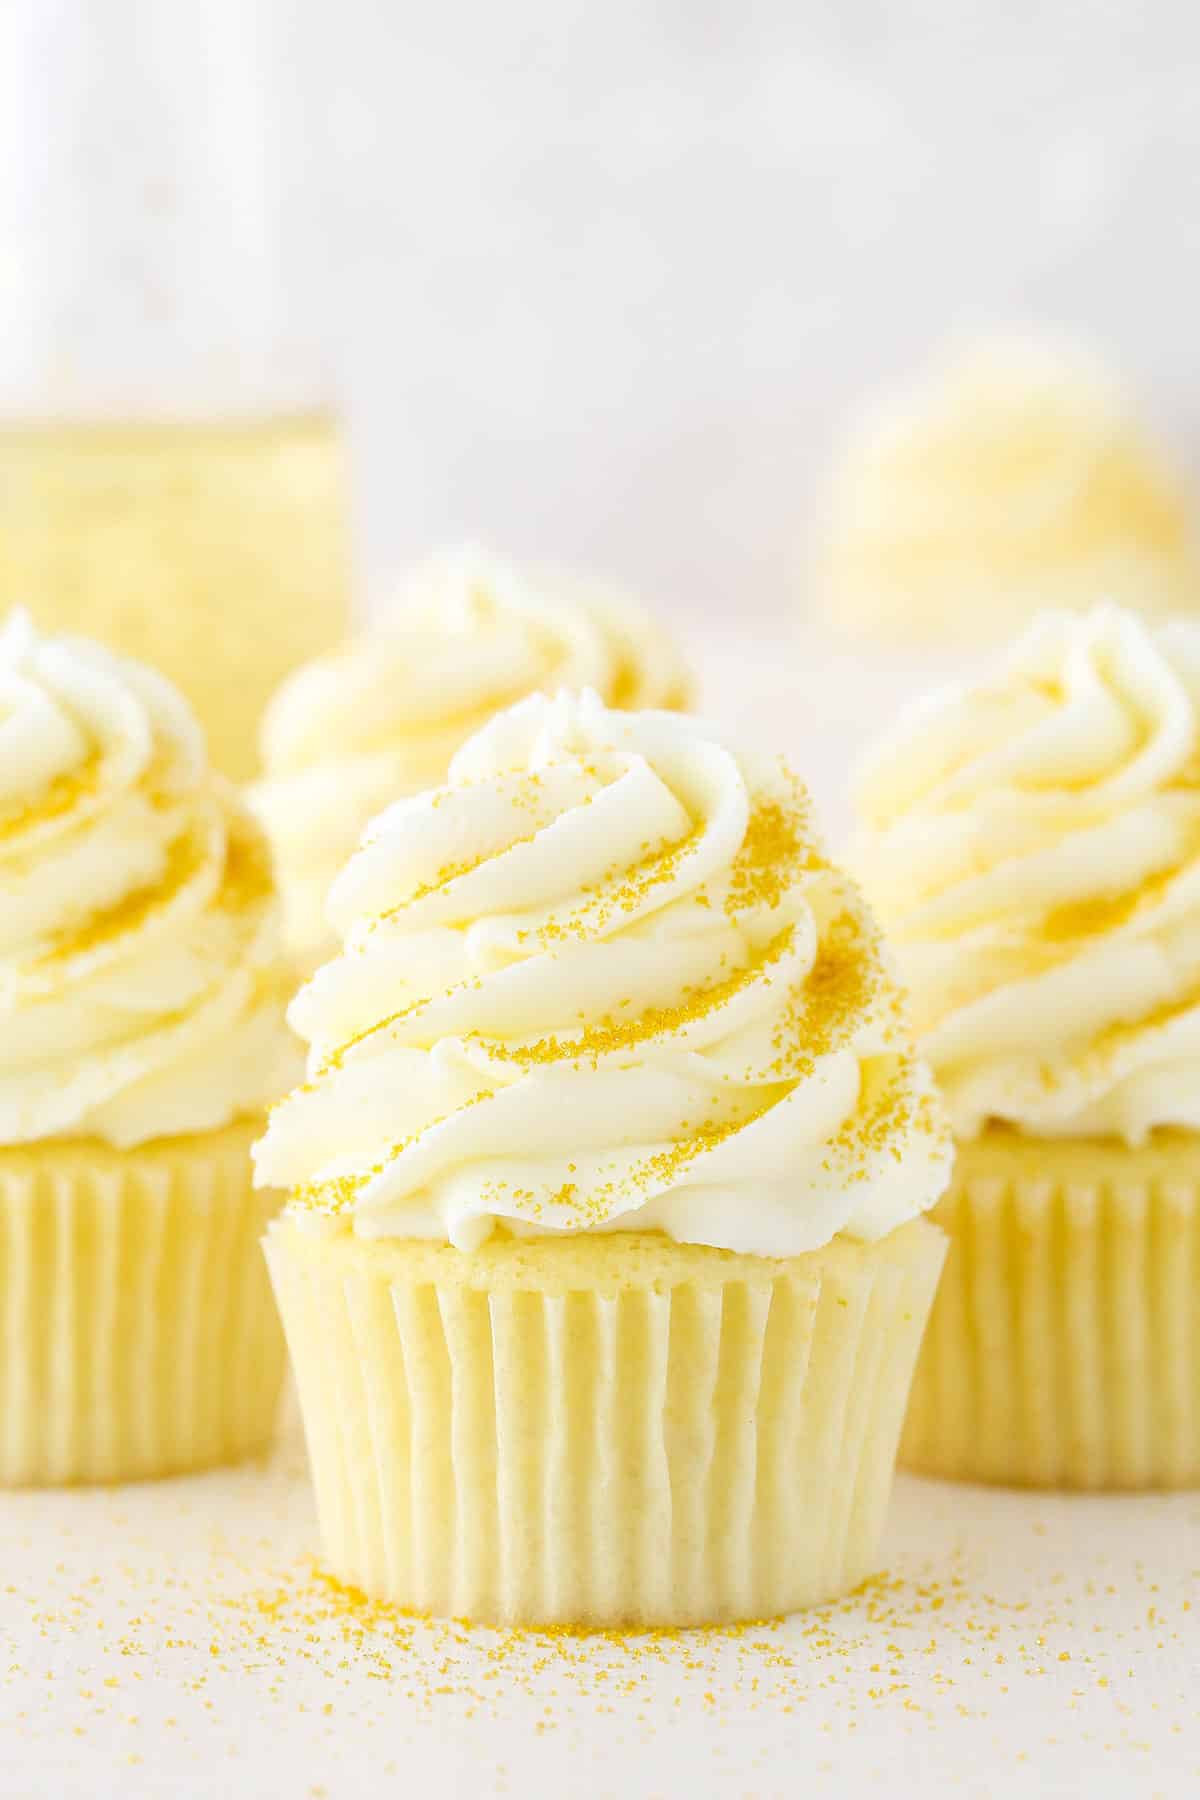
[[139, 990], [1031, 843], [1015, 475], [383, 717], [605, 978]]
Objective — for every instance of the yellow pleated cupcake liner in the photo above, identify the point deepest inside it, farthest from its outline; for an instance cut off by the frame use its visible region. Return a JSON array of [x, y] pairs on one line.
[[604, 1431], [139, 1331], [1064, 1346]]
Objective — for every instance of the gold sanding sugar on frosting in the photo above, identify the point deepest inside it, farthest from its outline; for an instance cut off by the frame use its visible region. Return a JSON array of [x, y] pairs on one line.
[[1109, 912], [665, 1166], [625, 892], [625, 683], [1088, 918], [249, 879], [1186, 779], [845, 981], [183, 860], [886, 1114], [777, 847], [818, 1011], [337, 1194], [336, 1058], [653, 1173], [1114, 1038], [611, 1036], [247, 882], [452, 872], [60, 796]]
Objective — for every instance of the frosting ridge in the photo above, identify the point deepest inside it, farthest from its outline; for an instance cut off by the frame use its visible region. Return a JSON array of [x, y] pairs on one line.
[[1016, 476], [382, 717], [1031, 842], [605, 978], [140, 994]]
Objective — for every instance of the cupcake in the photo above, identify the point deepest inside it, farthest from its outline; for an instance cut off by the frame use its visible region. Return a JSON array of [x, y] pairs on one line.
[[352, 732], [143, 1034], [1032, 845], [603, 1271], [1015, 476]]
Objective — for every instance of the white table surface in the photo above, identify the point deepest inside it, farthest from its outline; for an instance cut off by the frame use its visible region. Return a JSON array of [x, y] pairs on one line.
[[175, 1640]]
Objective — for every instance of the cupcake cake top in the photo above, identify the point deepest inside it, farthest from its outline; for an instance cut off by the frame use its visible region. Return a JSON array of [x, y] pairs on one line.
[[1031, 841], [605, 978], [1014, 476], [138, 991]]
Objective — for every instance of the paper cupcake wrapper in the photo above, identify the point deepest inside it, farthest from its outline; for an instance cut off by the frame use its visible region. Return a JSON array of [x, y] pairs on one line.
[[605, 1431], [139, 1331], [1064, 1346]]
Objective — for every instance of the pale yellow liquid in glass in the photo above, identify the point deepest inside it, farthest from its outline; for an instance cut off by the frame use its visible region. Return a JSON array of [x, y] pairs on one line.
[[218, 553]]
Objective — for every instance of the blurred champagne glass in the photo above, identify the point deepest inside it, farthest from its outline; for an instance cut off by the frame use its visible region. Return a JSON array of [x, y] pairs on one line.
[[171, 473]]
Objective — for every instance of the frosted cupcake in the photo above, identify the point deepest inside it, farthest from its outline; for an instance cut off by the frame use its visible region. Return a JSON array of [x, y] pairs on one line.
[[1032, 846], [352, 732], [603, 1272], [142, 1033], [1013, 477]]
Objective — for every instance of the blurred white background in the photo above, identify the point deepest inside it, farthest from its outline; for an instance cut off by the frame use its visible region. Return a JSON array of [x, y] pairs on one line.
[[607, 279]]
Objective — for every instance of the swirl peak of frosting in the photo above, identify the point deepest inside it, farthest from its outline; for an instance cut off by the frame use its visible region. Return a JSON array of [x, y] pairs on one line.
[[139, 991], [1031, 842], [1015, 476], [384, 715], [605, 978]]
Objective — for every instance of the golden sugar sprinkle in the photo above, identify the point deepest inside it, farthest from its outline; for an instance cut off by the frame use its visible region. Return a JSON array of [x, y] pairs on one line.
[[610, 1036], [845, 982], [1058, 1637], [247, 882], [60, 797], [778, 847], [184, 859]]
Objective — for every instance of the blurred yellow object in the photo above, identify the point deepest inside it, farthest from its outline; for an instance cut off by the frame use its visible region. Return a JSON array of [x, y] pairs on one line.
[[216, 552], [383, 716], [140, 1336], [1014, 477], [1064, 1347]]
